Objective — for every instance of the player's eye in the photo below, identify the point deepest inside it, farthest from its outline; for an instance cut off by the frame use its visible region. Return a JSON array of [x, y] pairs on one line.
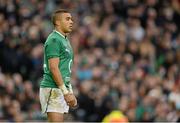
[[69, 18]]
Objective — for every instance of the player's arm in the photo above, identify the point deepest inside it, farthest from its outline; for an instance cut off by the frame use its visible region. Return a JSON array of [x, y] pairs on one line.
[[53, 66], [52, 50]]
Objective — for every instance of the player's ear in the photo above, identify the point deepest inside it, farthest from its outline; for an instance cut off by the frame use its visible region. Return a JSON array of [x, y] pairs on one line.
[[57, 22]]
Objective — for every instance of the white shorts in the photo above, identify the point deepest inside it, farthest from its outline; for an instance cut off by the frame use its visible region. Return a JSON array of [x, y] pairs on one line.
[[52, 100]]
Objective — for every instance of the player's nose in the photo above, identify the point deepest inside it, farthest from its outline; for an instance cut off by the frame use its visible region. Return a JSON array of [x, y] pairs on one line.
[[71, 22]]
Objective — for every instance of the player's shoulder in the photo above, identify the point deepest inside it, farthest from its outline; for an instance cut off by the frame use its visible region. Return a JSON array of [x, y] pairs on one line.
[[51, 38]]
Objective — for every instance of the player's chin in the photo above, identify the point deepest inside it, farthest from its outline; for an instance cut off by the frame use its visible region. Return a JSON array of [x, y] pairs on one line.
[[69, 30]]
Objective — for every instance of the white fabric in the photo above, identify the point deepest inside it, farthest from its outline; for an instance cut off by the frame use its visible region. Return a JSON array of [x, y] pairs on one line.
[[52, 100]]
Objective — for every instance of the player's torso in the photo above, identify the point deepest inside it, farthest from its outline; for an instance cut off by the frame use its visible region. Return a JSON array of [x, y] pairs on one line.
[[66, 61]]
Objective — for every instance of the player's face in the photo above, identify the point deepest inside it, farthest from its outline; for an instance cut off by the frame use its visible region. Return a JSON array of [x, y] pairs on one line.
[[66, 22]]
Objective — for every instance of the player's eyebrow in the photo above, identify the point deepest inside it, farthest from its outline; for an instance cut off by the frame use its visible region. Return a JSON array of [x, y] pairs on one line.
[[68, 18]]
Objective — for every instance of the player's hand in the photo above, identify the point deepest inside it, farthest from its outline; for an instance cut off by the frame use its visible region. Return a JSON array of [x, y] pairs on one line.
[[70, 99]]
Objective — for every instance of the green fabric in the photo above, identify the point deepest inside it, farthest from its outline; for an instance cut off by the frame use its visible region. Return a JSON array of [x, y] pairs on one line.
[[160, 61], [139, 112], [141, 109], [57, 46]]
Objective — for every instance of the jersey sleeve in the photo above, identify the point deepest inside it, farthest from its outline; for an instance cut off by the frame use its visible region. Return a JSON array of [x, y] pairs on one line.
[[52, 49]]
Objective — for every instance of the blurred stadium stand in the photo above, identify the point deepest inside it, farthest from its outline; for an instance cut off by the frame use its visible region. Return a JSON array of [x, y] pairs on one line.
[[127, 58]]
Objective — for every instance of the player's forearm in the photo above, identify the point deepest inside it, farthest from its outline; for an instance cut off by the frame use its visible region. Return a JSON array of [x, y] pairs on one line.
[[57, 76], [58, 79]]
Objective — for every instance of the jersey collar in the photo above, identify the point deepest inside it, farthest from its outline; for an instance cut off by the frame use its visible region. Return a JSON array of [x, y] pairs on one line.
[[60, 34]]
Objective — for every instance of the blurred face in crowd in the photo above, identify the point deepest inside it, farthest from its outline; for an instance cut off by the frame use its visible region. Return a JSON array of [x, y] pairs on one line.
[[64, 22]]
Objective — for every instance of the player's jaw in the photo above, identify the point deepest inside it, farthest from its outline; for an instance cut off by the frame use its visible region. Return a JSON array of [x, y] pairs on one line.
[[68, 28]]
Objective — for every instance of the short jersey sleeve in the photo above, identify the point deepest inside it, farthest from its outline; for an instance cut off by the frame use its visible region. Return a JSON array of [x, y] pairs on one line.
[[52, 48]]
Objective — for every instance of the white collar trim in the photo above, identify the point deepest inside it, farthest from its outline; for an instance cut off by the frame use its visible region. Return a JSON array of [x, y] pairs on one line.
[[59, 33]]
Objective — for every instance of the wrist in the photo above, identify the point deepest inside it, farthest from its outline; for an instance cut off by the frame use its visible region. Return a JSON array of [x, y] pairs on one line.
[[70, 89], [63, 89]]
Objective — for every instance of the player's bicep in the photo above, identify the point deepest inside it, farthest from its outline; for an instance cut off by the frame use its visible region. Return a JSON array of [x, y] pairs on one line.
[[53, 63]]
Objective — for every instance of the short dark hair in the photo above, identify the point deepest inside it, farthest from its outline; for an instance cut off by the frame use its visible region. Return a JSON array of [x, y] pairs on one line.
[[54, 15]]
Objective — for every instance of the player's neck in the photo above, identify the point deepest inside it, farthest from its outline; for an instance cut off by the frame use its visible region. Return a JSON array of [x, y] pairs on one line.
[[59, 30]]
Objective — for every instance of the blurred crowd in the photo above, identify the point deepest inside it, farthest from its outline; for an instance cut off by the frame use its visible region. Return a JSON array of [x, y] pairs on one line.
[[127, 58]]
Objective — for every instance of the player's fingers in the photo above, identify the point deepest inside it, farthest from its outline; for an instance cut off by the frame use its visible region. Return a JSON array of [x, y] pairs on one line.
[[70, 104], [74, 103]]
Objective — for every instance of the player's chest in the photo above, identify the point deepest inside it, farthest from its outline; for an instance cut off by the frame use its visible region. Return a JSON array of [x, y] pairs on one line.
[[66, 44], [67, 49]]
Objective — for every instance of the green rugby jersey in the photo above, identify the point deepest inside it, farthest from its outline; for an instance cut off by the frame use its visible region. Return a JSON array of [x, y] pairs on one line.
[[57, 45]]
